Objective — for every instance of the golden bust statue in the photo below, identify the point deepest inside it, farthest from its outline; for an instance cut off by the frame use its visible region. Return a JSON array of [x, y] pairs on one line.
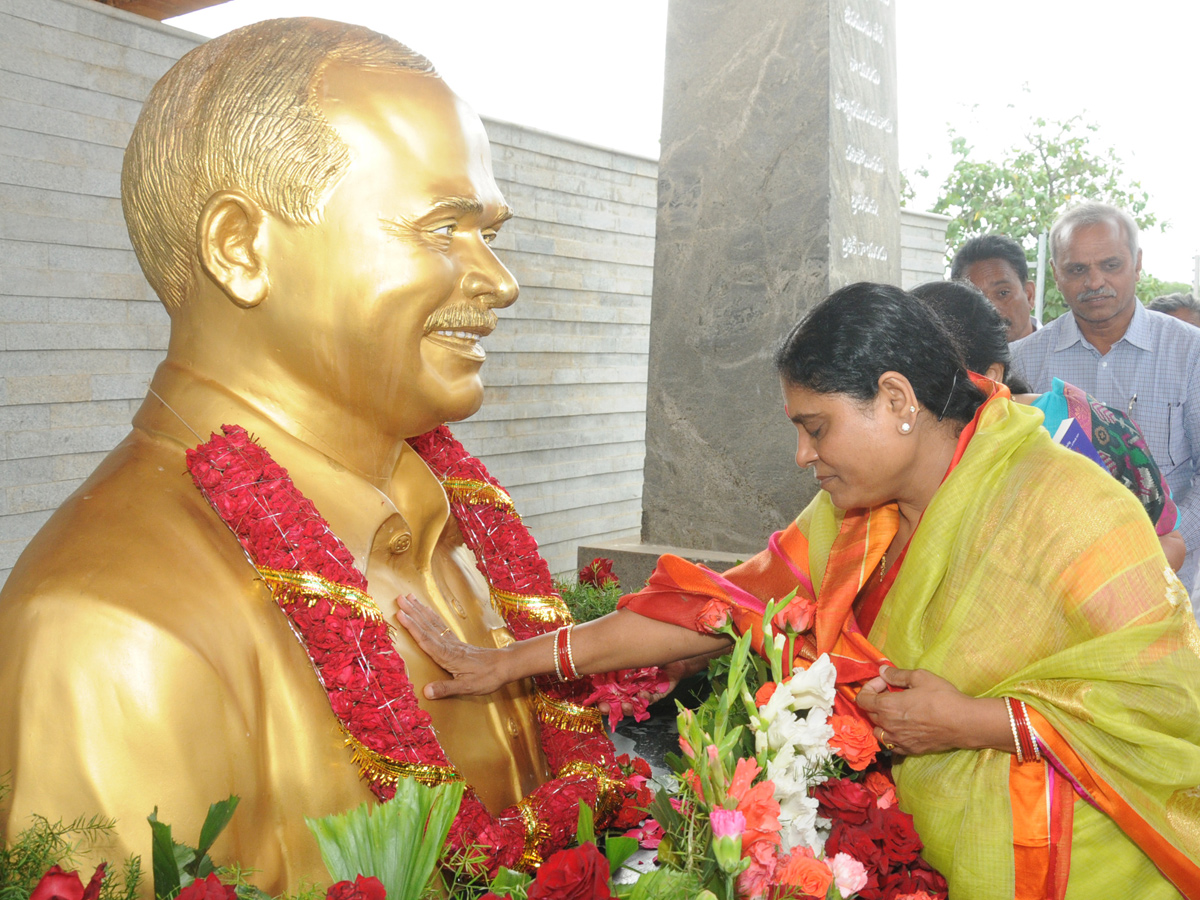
[[314, 207]]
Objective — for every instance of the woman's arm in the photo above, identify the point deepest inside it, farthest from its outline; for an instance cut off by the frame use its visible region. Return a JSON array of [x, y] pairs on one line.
[[620, 640], [1173, 547]]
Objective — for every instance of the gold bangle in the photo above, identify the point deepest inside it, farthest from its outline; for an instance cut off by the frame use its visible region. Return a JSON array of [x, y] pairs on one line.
[[1033, 735], [574, 672], [1012, 722], [554, 649]]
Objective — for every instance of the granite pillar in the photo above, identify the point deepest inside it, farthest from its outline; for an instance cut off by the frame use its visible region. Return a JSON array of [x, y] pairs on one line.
[[778, 183]]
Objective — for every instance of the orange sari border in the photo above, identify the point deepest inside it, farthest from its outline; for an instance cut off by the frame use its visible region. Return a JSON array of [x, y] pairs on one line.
[[1171, 861]]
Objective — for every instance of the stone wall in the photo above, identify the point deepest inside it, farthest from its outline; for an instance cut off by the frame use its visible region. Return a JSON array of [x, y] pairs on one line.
[[922, 247], [564, 418]]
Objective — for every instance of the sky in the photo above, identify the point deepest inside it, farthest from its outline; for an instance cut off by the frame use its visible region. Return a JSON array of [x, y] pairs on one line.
[[594, 72]]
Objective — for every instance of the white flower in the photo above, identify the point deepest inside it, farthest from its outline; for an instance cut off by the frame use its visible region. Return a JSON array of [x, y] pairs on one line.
[[812, 691], [798, 820], [814, 687]]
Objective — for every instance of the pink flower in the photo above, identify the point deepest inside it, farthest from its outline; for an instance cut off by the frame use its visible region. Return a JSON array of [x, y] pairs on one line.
[[649, 835], [727, 823], [727, 828], [714, 615], [755, 881], [848, 873], [632, 687], [797, 616]]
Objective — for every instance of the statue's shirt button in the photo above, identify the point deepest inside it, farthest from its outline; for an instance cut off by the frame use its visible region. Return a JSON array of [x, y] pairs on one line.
[[512, 727], [458, 608], [399, 542]]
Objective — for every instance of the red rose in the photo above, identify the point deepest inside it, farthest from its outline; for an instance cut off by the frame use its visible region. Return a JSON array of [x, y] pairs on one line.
[[919, 877], [578, 873], [368, 888], [900, 841], [598, 572], [854, 842], [59, 885], [844, 800], [208, 889]]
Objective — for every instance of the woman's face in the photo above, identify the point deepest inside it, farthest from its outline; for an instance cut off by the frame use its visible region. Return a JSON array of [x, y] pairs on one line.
[[855, 448]]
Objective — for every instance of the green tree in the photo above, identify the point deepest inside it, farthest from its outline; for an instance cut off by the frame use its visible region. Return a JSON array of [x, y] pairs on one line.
[[1023, 192]]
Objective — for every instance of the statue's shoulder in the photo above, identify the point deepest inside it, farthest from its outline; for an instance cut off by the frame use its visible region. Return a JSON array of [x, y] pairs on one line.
[[136, 542]]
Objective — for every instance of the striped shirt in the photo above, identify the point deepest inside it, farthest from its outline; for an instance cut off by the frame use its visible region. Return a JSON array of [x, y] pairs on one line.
[[1153, 373]]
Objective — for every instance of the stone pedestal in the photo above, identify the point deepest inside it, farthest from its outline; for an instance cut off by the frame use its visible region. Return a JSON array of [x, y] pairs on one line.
[[778, 183]]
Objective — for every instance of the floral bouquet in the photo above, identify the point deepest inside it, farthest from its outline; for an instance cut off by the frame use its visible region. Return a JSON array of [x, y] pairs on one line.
[[781, 797]]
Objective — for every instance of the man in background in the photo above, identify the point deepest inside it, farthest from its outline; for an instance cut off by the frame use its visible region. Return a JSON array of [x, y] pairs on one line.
[[1182, 306], [996, 265], [1121, 353]]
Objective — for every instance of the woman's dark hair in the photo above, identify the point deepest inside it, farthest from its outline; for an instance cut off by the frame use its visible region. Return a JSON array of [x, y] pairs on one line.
[[856, 334], [974, 324]]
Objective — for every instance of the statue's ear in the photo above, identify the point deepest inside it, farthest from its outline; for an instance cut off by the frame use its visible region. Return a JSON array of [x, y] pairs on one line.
[[232, 235]]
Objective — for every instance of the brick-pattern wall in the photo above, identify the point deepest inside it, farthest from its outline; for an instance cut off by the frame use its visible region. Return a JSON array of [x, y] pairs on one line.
[[922, 247], [82, 332], [564, 418]]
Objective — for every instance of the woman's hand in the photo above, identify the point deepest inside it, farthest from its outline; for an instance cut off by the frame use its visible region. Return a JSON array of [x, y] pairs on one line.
[[476, 670], [930, 715]]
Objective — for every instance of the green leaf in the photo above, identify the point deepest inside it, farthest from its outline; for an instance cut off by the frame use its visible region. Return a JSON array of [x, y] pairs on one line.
[[164, 862], [664, 813], [218, 817], [585, 831], [666, 884], [507, 881], [398, 842], [617, 850]]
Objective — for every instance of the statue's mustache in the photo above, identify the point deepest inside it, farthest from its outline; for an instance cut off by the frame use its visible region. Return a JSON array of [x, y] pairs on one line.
[[462, 317]]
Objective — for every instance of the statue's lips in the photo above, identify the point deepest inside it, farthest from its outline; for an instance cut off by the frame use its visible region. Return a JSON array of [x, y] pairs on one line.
[[463, 342]]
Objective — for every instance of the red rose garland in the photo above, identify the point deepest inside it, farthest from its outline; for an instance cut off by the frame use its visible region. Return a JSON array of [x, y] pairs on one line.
[[312, 577]]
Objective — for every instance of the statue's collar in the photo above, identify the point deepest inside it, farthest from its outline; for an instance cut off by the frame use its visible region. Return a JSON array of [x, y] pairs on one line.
[[187, 409]]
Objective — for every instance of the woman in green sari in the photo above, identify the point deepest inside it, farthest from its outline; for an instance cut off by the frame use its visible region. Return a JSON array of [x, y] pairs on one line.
[[999, 605]]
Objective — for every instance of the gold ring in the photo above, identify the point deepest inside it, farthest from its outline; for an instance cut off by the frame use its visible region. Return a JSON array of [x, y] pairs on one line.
[[444, 633]]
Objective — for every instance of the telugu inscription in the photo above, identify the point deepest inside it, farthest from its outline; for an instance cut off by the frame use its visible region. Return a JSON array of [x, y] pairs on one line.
[[863, 25], [861, 203], [864, 70], [864, 231], [852, 246], [855, 111], [859, 156]]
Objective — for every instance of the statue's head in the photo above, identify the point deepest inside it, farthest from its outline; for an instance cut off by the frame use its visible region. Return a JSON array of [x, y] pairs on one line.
[[323, 182]]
